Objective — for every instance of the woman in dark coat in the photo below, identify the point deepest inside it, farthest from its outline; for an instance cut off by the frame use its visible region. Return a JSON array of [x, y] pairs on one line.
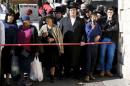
[[10, 38], [50, 33]]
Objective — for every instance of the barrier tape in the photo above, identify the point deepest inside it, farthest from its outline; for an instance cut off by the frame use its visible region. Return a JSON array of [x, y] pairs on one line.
[[55, 44]]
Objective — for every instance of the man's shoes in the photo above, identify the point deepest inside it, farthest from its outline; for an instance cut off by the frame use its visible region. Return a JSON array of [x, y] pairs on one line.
[[102, 73], [8, 82], [92, 77], [28, 82], [52, 79], [109, 74], [24, 82], [87, 79]]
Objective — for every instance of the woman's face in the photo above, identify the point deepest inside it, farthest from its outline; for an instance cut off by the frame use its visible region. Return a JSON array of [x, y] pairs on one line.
[[49, 21], [10, 18], [26, 23]]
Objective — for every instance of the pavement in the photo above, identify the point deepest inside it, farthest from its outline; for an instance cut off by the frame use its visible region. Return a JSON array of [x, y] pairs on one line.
[[98, 82]]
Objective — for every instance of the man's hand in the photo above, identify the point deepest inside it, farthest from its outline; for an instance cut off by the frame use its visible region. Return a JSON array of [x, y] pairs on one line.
[[82, 43], [97, 38], [109, 18], [51, 39]]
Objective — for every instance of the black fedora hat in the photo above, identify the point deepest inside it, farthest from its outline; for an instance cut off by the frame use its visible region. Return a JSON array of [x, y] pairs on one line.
[[72, 5], [59, 9]]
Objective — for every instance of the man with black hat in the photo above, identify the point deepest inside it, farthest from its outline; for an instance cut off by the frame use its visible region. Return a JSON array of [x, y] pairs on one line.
[[72, 30], [87, 12], [58, 14]]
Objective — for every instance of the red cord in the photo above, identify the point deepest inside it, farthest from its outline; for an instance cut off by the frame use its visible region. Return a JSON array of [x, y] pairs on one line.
[[55, 44]]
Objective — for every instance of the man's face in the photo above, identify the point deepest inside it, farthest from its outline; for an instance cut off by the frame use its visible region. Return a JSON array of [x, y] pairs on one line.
[[58, 15], [110, 13], [98, 15], [88, 13], [73, 12]]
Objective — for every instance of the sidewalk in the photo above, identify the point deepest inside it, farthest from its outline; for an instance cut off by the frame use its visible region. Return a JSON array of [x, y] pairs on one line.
[[99, 82], [105, 81], [117, 82]]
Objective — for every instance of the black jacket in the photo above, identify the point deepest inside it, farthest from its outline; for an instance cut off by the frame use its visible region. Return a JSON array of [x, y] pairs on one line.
[[72, 34], [110, 29]]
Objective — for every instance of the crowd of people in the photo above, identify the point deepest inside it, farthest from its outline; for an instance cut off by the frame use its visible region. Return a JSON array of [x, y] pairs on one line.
[[72, 25]]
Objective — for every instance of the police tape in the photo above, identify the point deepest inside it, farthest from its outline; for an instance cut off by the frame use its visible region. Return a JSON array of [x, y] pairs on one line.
[[56, 44]]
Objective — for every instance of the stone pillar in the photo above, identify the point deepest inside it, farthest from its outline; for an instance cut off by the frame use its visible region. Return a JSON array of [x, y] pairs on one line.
[[0, 62], [124, 20], [87, 1], [2, 41]]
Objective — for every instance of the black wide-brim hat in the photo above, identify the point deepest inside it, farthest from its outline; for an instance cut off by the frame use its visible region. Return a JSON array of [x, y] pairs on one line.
[[58, 9], [72, 5]]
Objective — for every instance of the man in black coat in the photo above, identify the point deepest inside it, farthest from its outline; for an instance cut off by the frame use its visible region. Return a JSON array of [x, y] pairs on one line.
[[72, 29]]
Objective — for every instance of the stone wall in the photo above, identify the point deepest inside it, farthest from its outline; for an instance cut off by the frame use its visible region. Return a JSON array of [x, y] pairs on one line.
[[124, 20]]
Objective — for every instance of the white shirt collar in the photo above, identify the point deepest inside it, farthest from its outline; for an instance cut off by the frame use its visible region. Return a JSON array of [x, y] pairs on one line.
[[72, 20]]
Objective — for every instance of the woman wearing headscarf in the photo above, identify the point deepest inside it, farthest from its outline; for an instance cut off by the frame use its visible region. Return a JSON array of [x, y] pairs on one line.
[[27, 34], [50, 33]]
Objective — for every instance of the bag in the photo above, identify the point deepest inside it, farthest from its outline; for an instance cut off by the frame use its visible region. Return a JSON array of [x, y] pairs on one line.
[[36, 73], [14, 66]]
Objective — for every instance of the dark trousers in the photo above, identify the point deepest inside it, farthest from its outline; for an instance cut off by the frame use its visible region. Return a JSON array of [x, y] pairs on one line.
[[90, 59], [25, 58], [6, 58]]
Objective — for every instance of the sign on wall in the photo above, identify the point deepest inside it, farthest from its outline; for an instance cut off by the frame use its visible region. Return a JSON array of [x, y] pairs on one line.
[[23, 1], [29, 9], [102, 0], [2, 16]]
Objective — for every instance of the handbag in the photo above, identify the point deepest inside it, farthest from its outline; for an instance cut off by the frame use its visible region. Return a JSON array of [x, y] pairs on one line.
[[36, 73]]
